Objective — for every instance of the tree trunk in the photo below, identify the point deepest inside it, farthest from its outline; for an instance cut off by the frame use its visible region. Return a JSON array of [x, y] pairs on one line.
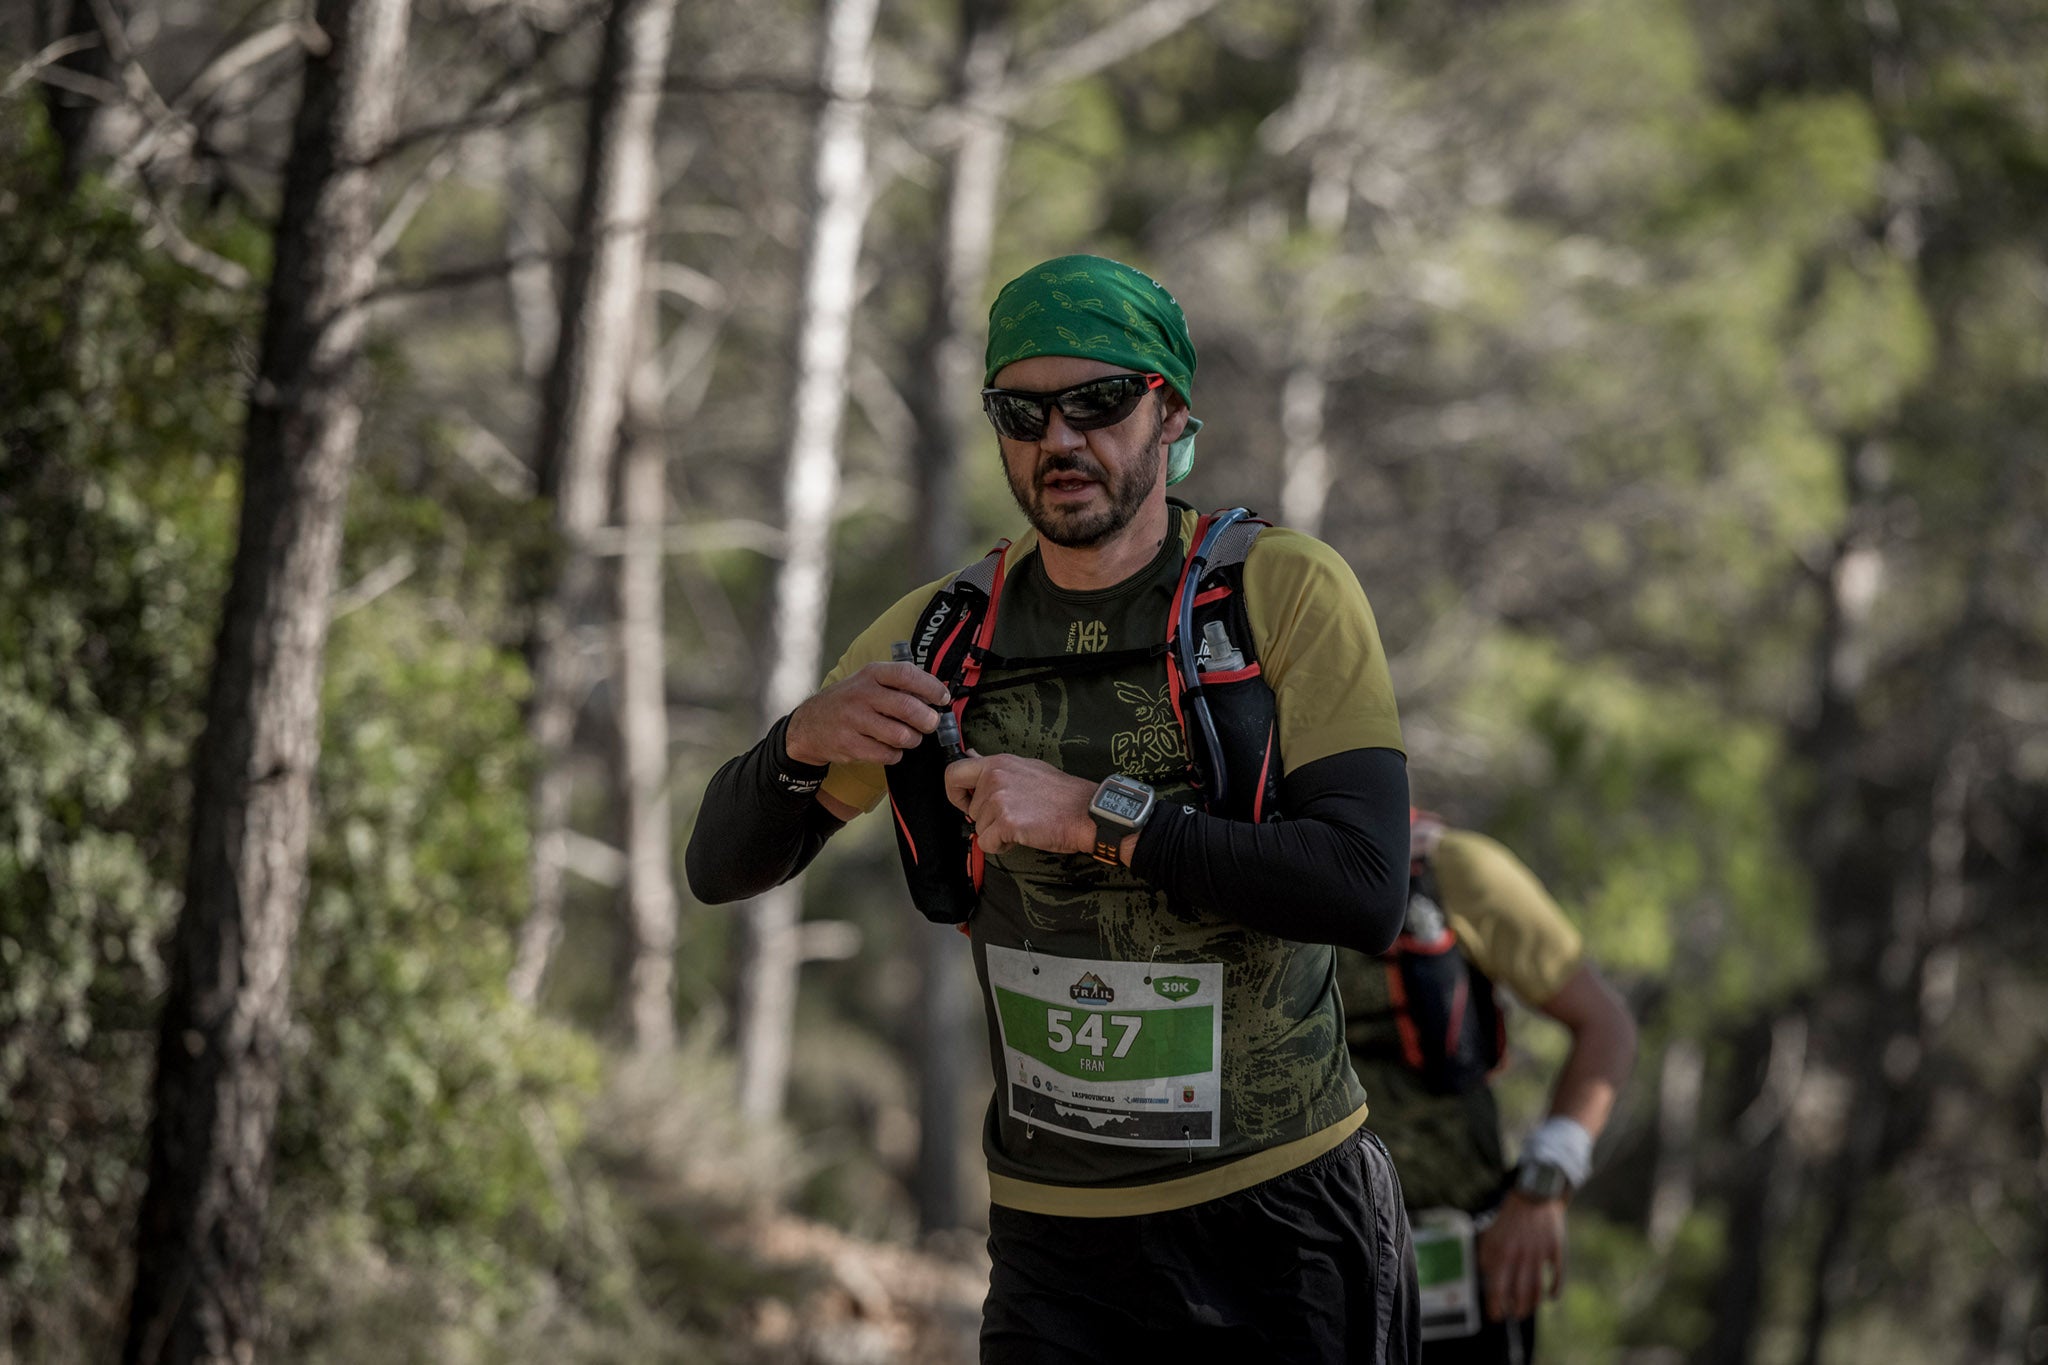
[[1831, 833], [767, 949], [220, 1056], [1888, 1005], [530, 283], [81, 120], [579, 424], [1759, 1194], [1305, 473], [946, 374], [643, 722], [1678, 1113], [1304, 456]]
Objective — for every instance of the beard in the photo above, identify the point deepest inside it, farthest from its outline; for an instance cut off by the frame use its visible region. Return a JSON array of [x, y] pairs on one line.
[[1077, 528]]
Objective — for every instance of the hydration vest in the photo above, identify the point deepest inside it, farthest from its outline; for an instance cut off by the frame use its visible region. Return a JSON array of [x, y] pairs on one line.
[[1449, 1029], [1224, 708]]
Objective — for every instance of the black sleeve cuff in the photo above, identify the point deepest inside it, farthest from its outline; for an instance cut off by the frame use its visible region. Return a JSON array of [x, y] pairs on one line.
[[794, 781], [760, 823], [1161, 832]]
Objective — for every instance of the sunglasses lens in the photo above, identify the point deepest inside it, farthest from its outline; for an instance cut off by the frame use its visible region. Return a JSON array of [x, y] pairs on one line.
[[1100, 403], [1018, 419], [1090, 407]]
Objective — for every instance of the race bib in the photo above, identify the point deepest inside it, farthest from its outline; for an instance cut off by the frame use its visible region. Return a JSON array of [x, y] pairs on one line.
[[1127, 1053], [1447, 1270]]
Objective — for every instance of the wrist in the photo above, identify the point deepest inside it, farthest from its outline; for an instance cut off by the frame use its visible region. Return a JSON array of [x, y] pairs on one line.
[[1562, 1143], [1117, 811], [1085, 834], [800, 756], [1539, 1183], [794, 775]]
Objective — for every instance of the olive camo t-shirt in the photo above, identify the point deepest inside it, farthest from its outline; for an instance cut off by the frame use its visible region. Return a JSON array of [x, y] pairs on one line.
[[1147, 1058], [1448, 1147]]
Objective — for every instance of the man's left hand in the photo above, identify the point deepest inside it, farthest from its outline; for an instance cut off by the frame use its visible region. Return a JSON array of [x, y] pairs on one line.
[[1021, 802], [1521, 1256]]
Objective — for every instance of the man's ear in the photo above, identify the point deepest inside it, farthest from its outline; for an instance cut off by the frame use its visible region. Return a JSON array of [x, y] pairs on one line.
[[1176, 419]]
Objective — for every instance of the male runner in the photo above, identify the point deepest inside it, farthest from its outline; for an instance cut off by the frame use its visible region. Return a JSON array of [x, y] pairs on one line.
[[1176, 1151]]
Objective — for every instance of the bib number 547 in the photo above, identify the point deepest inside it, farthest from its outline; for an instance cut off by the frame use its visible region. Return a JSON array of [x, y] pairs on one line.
[[1090, 1035]]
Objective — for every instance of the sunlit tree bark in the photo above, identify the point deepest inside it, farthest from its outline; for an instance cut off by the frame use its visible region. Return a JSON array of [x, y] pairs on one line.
[[946, 376], [1306, 473], [650, 898], [580, 412], [529, 280], [768, 948], [199, 1246]]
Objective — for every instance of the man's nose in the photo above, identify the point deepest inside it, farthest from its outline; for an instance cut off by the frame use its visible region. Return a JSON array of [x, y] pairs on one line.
[[1058, 435]]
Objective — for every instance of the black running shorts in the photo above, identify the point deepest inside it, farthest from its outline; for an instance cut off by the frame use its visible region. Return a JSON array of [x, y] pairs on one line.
[[1313, 1267]]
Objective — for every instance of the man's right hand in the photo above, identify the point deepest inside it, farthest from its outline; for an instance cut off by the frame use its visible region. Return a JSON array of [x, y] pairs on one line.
[[871, 717]]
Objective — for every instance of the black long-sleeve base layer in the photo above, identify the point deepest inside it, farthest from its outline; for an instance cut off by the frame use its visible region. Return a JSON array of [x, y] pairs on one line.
[[1334, 871], [760, 825]]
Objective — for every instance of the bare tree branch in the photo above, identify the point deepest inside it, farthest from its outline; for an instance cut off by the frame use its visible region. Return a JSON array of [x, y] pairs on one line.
[[690, 538], [501, 103], [39, 67], [64, 78], [411, 200], [186, 252], [371, 586], [239, 60], [493, 461], [939, 125], [1095, 52], [462, 277]]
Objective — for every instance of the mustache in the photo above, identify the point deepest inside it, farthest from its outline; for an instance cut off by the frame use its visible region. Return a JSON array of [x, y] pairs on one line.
[[1069, 463]]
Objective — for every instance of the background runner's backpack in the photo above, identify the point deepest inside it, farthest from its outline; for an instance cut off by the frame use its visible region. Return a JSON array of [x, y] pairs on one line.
[[1451, 1030], [1226, 713]]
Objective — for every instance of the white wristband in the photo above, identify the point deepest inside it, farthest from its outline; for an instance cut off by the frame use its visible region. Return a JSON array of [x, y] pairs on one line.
[[1563, 1143]]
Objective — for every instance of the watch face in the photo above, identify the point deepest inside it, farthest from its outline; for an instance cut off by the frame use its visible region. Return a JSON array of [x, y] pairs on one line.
[[1115, 801], [1541, 1180]]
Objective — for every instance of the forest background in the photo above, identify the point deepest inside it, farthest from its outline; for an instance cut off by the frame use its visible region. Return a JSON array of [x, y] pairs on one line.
[[1673, 373]]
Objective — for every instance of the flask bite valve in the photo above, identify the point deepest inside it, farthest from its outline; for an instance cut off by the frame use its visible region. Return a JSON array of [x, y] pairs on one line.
[[949, 724], [1219, 654], [949, 736]]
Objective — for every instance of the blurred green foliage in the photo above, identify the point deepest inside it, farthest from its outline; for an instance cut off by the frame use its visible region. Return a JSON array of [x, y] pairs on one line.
[[431, 1165], [114, 534]]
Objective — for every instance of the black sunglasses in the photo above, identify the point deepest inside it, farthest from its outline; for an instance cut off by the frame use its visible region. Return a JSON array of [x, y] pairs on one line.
[[1022, 415]]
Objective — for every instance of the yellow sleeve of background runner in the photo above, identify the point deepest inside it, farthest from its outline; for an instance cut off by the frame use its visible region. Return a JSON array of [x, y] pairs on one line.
[[1504, 917], [1319, 649], [862, 785]]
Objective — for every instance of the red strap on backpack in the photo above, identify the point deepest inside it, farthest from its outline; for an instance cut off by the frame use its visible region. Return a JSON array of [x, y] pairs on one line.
[[1175, 683]]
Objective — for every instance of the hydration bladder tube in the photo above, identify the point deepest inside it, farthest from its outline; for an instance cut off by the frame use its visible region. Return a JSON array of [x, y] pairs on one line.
[[1184, 634]]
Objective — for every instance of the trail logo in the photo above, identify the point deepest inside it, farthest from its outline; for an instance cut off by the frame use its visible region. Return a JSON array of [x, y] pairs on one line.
[[1176, 987], [1092, 989]]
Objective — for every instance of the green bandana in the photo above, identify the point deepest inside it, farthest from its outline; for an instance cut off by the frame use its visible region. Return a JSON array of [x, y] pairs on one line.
[[1101, 310]]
